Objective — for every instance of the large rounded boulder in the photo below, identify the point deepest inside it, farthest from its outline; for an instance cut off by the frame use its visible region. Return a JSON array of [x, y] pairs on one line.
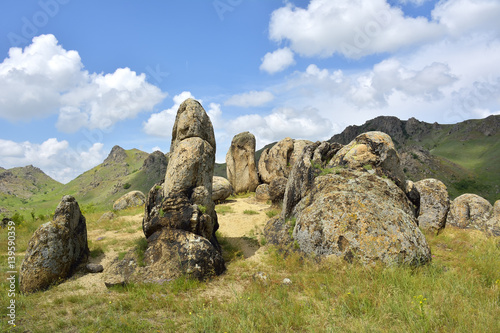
[[470, 211], [357, 215], [131, 199], [55, 249]]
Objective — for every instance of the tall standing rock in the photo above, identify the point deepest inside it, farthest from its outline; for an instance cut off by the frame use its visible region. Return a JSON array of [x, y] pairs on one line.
[[240, 161], [180, 221], [434, 204], [55, 249]]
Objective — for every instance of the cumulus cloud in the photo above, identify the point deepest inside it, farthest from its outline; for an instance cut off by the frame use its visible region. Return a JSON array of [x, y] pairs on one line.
[[351, 28], [160, 124], [250, 99], [56, 158], [284, 122], [44, 79], [277, 61]]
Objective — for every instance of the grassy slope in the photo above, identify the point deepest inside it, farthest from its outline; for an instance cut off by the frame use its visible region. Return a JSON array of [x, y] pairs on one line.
[[476, 153], [459, 291]]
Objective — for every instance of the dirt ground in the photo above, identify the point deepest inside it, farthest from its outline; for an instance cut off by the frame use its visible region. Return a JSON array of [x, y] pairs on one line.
[[240, 229]]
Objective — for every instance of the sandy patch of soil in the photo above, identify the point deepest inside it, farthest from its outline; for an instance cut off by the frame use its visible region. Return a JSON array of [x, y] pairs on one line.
[[241, 229]]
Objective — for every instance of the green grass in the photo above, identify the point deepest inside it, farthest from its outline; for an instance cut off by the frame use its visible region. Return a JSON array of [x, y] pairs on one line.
[[224, 209], [242, 195], [250, 212], [459, 291]]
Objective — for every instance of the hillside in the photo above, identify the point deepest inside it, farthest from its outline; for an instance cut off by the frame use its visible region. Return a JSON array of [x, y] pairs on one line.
[[29, 189], [465, 156]]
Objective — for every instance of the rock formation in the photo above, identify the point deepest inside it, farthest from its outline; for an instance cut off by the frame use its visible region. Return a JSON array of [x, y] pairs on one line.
[[262, 192], [279, 160], [470, 211], [221, 189], [131, 199], [351, 205], [180, 221], [240, 161], [55, 249], [434, 204]]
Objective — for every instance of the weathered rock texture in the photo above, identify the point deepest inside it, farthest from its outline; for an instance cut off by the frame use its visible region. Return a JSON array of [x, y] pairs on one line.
[[55, 249], [279, 160], [240, 161], [131, 199], [472, 212], [262, 192], [180, 221], [372, 151], [355, 214], [434, 204], [221, 189], [277, 190], [342, 207]]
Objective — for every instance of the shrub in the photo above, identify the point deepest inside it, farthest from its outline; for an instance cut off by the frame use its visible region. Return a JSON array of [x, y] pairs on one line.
[[126, 186]]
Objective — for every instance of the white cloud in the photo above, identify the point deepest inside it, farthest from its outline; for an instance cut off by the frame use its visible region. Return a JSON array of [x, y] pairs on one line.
[[45, 79], [160, 124], [284, 122], [277, 61], [56, 158], [351, 28], [467, 16], [250, 99]]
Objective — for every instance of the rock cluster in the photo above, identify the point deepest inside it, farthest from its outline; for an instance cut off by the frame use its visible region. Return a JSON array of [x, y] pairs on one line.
[[470, 211], [351, 202], [55, 249]]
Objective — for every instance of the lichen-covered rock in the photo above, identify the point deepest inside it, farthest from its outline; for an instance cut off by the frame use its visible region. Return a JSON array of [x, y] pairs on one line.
[[279, 160], [434, 204], [221, 189], [240, 161], [55, 249], [314, 157], [131, 199], [277, 190], [358, 215], [375, 151], [106, 217], [493, 223], [192, 121], [262, 192], [470, 211], [179, 218]]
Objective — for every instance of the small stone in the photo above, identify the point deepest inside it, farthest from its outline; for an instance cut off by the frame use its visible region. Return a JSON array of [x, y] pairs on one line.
[[94, 268], [286, 282], [261, 277], [114, 281]]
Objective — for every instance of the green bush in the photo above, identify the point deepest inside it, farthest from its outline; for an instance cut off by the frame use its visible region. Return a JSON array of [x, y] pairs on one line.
[[126, 186]]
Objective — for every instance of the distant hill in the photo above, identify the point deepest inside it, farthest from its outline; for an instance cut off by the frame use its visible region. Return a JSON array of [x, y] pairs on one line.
[[465, 156], [29, 189]]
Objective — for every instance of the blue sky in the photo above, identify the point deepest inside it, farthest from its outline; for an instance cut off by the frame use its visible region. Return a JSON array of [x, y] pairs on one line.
[[78, 77]]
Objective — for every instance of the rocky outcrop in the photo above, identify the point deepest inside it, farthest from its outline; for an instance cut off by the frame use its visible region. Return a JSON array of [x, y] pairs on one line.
[[180, 221], [55, 249], [434, 204], [240, 163], [155, 165], [116, 155], [350, 208], [279, 160], [470, 211], [131, 199], [372, 151], [221, 189]]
